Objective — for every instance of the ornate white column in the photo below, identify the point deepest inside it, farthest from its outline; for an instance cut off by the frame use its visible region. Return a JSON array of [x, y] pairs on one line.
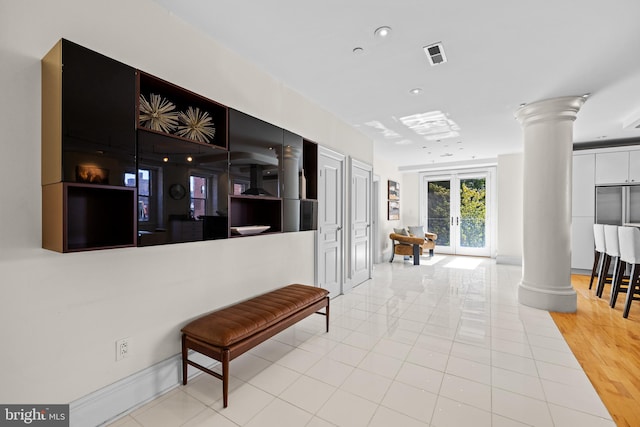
[[548, 160]]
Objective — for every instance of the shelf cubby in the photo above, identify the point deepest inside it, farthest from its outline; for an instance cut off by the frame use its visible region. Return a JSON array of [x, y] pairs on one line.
[[80, 217], [256, 210], [182, 99]]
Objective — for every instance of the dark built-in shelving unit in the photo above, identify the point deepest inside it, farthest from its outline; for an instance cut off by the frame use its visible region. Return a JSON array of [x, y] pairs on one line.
[[88, 143], [108, 181]]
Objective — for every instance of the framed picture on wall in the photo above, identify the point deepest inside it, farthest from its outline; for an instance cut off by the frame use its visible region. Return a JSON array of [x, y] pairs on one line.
[[394, 210], [393, 190]]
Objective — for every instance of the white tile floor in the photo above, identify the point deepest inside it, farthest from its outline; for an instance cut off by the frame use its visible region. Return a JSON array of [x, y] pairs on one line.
[[440, 344]]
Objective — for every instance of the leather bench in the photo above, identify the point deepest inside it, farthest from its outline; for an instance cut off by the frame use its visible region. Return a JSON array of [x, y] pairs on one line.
[[227, 333]]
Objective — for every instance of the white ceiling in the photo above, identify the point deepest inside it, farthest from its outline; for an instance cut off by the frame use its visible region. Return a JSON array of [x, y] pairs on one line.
[[501, 54]]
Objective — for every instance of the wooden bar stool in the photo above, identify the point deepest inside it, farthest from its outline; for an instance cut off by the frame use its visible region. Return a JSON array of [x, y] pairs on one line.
[[629, 238], [612, 256], [598, 238]]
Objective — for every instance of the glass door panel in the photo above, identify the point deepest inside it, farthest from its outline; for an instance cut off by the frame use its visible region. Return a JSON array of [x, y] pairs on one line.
[[457, 212], [473, 212], [439, 215]]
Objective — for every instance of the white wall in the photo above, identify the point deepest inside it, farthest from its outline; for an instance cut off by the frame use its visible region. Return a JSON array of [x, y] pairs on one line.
[[510, 187], [410, 206], [387, 171], [62, 313]]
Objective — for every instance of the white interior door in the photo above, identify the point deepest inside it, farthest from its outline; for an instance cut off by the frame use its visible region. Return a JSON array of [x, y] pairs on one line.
[[360, 242], [376, 250], [457, 210], [330, 221]]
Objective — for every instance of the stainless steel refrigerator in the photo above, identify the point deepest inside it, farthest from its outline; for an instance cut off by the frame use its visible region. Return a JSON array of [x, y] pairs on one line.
[[617, 204]]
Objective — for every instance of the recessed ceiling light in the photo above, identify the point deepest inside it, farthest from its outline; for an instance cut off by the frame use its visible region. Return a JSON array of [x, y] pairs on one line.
[[382, 32], [415, 91], [358, 50]]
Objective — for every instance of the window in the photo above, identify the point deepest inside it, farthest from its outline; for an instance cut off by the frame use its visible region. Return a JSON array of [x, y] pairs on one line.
[[240, 187], [198, 192], [144, 192]]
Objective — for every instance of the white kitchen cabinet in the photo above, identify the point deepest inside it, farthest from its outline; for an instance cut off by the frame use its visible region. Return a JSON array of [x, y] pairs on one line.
[[583, 210], [634, 166], [590, 169], [619, 167], [583, 182], [582, 245], [612, 168]]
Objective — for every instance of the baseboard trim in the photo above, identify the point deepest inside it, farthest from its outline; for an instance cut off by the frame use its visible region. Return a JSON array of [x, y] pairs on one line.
[[510, 260], [582, 271], [120, 398]]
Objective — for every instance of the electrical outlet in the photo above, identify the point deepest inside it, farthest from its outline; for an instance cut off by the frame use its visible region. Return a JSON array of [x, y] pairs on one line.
[[123, 347]]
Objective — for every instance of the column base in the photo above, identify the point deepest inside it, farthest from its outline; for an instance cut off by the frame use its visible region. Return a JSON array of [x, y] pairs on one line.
[[563, 300]]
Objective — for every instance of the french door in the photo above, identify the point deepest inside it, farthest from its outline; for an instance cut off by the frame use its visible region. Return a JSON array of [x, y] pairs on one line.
[[360, 242], [457, 210], [330, 268]]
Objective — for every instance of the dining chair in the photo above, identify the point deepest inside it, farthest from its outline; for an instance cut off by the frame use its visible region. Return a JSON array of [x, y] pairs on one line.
[[611, 257], [629, 238], [598, 238]]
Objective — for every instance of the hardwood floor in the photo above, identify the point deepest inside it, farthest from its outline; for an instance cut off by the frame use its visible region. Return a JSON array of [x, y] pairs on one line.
[[608, 348]]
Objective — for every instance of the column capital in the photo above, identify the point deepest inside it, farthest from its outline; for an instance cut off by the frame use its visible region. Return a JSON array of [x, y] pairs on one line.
[[553, 109]]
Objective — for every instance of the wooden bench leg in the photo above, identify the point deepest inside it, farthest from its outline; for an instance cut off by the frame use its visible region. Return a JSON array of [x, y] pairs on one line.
[[225, 377], [184, 359], [327, 313]]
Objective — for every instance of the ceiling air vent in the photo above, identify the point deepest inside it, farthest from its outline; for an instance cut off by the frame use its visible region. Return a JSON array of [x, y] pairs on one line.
[[435, 53]]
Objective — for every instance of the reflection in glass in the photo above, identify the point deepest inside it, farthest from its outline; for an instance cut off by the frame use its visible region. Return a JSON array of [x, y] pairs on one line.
[[439, 210], [254, 162], [164, 217], [198, 191], [473, 210]]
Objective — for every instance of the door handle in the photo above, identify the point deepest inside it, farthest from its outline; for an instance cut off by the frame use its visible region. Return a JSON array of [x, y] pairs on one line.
[[457, 220], [451, 220], [339, 228]]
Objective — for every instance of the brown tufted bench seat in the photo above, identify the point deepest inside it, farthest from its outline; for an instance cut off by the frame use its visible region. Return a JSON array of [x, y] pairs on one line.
[[227, 333]]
